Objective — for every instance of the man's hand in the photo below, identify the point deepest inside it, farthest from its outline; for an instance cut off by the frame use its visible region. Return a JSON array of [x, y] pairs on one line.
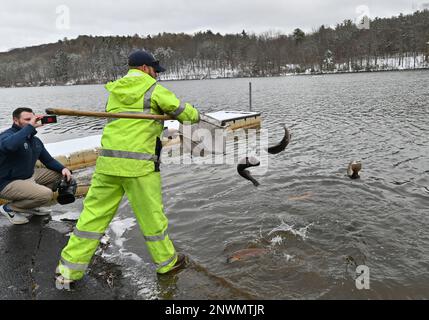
[[35, 120], [66, 173]]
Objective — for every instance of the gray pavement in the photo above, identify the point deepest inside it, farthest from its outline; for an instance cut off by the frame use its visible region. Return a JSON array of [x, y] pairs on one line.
[[29, 256]]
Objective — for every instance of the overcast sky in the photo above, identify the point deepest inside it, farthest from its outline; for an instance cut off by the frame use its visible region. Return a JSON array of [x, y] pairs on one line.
[[30, 22]]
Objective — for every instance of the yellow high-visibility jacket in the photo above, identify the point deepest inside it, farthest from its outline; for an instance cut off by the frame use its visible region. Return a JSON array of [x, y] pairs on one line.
[[131, 147]]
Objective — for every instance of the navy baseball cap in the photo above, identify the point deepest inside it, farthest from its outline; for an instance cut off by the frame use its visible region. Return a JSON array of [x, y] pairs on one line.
[[140, 57]]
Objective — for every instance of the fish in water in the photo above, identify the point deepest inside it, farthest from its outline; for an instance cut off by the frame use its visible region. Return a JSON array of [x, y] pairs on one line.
[[282, 145], [353, 169], [246, 254], [243, 164]]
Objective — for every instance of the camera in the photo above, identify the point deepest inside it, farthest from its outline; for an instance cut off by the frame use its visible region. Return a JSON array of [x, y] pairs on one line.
[[49, 119], [66, 191]]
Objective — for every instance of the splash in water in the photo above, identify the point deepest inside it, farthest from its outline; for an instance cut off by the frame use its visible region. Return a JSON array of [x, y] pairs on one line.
[[284, 227], [277, 240], [119, 227], [288, 257]]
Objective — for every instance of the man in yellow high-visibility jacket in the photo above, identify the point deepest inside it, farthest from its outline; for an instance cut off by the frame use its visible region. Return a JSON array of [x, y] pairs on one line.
[[129, 163]]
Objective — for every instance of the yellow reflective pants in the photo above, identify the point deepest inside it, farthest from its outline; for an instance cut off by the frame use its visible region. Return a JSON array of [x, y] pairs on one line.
[[100, 206]]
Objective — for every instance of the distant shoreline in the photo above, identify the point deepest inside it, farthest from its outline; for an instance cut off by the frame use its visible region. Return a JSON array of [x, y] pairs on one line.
[[224, 78]]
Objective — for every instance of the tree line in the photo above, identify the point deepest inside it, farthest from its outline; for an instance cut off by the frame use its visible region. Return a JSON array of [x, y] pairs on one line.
[[344, 47]]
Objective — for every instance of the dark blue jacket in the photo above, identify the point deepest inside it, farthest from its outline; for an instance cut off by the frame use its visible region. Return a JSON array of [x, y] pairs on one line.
[[19, 151]]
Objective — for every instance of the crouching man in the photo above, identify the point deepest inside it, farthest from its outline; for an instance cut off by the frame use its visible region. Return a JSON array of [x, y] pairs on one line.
[[24, 186]]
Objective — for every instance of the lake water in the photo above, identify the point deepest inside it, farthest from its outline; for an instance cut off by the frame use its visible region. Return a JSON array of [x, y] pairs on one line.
[[315, 243]]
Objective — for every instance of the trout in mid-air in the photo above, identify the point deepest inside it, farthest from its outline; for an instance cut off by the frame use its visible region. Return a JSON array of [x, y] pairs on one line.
[[282, 144], [248, 162]]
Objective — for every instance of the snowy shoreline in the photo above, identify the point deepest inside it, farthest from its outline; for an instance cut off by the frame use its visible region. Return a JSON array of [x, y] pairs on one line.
[[423, 65]]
